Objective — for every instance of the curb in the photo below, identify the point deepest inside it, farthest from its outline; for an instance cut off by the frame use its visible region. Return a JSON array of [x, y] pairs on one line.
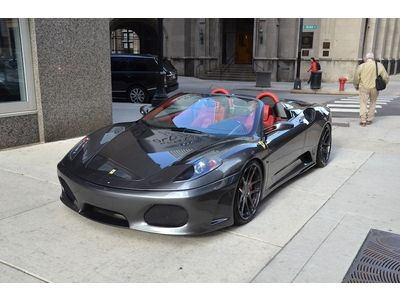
[[324, 92], [340, 124], [260, 89]]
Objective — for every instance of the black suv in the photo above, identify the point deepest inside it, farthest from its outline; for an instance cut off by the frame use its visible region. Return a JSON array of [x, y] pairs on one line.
[[135, 77]]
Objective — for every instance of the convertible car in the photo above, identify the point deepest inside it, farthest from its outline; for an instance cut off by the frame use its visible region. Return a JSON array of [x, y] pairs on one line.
[[195, 163]]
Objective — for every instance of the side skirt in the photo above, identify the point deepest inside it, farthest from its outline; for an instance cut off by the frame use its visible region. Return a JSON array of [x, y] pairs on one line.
[[297, 171]]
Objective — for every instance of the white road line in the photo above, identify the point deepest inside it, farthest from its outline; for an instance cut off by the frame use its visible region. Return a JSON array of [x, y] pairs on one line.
[[349, 105], [379, 97], [357, 102], [353, 100], [350, 110]]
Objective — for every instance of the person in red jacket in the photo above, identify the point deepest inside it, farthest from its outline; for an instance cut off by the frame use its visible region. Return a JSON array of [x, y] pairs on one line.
[[313, 68]]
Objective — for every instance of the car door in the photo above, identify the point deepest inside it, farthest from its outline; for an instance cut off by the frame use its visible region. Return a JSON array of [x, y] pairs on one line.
[[118, 80], [285, 145]]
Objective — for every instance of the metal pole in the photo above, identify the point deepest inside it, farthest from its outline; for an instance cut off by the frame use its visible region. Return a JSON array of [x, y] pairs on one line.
[[297, 82], [160, 94]]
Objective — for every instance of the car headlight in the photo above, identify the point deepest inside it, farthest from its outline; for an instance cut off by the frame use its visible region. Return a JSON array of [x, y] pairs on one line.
[[199, 168], [78, 147]]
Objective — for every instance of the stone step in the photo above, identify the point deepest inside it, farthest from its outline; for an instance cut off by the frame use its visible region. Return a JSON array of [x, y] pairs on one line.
[[232, 72], [229, 77]]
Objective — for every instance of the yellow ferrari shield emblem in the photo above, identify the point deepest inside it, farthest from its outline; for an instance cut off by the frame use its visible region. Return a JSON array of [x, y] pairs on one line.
[[262, 144]]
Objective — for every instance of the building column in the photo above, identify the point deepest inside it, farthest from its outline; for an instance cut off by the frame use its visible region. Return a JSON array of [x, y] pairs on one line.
[[395, 46], [396, 49], [370, 36], [380, 39], [388, 55]]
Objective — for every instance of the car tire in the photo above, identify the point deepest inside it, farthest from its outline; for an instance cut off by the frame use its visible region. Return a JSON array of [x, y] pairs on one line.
[[324, 147], [138, 94], [248, 193]]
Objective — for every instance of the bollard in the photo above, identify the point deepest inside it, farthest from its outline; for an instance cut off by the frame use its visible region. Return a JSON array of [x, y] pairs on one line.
[[342, 82]]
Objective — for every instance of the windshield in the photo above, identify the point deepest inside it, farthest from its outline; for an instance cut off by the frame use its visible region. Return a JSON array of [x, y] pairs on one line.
[[212, 114]]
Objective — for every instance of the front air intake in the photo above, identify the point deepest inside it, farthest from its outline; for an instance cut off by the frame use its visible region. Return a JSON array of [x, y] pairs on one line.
[[166, 216], [104, 215]]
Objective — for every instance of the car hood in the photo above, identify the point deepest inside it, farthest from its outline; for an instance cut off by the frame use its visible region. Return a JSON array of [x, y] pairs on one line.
[[142, 157]]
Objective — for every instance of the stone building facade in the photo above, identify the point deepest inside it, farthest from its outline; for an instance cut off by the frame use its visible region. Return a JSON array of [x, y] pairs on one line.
[[55, 79], [197, 46]]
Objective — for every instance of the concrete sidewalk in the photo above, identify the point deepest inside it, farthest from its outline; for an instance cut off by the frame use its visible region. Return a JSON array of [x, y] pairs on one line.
[[308, 231]]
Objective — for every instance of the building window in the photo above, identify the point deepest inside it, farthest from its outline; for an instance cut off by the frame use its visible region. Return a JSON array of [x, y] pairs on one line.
[[16, 78], [326, 45], [325, 53], [307, 40], [125, 41], [305, 52]]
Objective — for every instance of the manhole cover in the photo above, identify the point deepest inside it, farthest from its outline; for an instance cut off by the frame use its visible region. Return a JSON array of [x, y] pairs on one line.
[[378, 259]]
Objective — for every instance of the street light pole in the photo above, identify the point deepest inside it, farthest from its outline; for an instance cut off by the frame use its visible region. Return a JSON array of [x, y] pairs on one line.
[[297, 81], [160, 94]]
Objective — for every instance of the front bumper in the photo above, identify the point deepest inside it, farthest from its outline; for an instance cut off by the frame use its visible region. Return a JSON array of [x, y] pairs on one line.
[[207, 208]]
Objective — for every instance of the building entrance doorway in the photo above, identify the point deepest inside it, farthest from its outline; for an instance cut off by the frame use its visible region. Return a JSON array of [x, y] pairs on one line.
[[237, 41]]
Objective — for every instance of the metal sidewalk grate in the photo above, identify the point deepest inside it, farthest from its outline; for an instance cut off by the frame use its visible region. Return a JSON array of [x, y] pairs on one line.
[[378, 259]]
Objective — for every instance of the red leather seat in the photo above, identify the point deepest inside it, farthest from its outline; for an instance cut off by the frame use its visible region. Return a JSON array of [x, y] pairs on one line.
[[269, 118], [209, 115]]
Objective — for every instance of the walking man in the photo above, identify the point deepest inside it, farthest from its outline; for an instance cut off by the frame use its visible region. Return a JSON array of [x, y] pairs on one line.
[[364, 81]]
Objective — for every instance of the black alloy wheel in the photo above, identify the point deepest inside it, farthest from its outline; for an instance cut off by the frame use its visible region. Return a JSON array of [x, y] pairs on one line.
[[324, 147], [248, 194], [138, 94]]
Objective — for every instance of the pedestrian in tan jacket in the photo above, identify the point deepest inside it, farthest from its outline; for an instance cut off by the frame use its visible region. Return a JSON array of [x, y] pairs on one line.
[[364, 81]]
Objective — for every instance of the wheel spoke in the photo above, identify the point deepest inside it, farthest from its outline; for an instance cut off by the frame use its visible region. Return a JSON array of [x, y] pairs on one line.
[[248, 207], [252, 174], [255, 191], [242, 204]]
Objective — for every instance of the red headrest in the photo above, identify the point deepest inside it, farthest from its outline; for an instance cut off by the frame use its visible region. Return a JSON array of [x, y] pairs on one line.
[[219, 91], [273, 96]]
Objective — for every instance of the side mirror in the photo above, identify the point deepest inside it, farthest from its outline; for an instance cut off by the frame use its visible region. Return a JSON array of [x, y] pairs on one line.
[[144, 109], [309, 114]]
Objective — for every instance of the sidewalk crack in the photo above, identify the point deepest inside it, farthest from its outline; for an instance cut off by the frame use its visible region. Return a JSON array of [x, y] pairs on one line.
[[40, 278], [29, 176], [316, 250], [26, 211]]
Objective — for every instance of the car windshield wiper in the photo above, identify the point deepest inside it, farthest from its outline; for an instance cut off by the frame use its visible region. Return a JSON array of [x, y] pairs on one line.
[[184, 129]]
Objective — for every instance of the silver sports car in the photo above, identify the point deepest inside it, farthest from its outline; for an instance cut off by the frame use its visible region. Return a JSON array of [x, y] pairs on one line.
[[196, 163]]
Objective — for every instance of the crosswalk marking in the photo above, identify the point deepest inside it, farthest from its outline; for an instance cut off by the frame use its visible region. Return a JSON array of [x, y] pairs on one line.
[[357, 102], [379, 98], [351, 110], [351, 104]]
